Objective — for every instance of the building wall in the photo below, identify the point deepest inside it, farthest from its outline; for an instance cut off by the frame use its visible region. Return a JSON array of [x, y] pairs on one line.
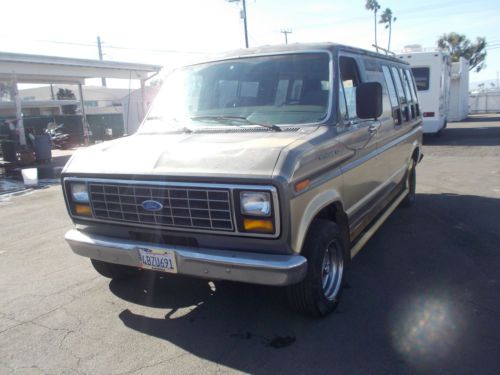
[[485, 102], [97, 99], [133, 112], [459, 91], [11, 112]]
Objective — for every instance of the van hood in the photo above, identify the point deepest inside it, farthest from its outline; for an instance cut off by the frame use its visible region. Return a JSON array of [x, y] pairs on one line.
[[245, 154]]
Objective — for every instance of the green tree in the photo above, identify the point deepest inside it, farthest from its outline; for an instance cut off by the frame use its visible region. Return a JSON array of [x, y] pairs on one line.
[[373, 6], [460, 46], [67, 94], [388, 19]]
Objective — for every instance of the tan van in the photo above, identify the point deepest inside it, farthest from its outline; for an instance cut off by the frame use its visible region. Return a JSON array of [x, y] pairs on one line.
[[270, 166]]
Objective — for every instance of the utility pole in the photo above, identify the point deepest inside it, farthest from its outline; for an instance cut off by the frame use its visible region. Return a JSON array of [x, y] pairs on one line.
[[100, 57], [286, 32], [244, 16]]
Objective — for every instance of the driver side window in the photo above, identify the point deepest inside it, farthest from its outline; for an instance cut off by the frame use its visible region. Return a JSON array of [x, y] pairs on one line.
[[349, 81]]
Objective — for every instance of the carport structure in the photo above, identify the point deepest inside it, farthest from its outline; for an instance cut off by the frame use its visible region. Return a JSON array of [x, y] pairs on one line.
[[18, 68]]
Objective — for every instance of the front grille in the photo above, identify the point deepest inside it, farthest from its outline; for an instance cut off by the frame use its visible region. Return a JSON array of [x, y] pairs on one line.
[[186, 207]]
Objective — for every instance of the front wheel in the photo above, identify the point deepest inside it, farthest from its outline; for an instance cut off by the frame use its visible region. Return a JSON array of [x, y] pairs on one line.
[[318, 294], [114, 271]]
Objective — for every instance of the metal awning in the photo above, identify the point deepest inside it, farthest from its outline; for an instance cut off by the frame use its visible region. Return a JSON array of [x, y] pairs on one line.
[[53, 69], [26, 68]]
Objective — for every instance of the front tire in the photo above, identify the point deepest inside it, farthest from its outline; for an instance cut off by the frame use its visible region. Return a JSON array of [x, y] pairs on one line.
[[319, 293], [114, 271]]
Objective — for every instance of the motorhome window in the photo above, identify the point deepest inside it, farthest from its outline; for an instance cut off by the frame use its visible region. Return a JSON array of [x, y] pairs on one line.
[[411, 85], [349, 77], [399, 86], [390, 86], [282, 89], [406, 86], [422, 78]]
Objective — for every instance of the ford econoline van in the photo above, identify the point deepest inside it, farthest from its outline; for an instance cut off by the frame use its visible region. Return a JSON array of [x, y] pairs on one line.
[[271, 165]]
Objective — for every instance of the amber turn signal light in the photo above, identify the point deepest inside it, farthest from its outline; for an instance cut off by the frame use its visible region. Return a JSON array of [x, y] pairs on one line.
[[304, 184], [262, 226], [83, 209]]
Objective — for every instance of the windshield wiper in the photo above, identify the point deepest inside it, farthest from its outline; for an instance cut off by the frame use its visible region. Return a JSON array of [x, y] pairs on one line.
[[184, 129], [241, 118]]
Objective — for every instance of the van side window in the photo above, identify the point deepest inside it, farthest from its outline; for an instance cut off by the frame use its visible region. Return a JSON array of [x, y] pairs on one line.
[[390, 87], [411, 85], [342, 104], [281, 92], [227, 91], [296, 89], [349, 77], [406, 87], [399, 85]]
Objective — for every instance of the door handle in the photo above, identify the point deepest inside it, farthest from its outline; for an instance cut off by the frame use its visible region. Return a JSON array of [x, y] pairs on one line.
[[373, 128]]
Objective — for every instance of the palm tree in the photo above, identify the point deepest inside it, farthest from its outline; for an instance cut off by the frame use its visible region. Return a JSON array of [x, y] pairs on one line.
[[387, 18], [374, 6]]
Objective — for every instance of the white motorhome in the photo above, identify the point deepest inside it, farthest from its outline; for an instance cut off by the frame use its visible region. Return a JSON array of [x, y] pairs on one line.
[[432, 74]]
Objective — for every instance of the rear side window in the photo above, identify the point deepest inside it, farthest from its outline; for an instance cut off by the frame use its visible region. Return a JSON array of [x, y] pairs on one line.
[[406, 86], [411, 84], [399, 85], [422, 78], [393, 97], [349, 78]]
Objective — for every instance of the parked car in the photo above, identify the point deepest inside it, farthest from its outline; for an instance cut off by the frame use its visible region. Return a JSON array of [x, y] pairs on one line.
[[270, 166]]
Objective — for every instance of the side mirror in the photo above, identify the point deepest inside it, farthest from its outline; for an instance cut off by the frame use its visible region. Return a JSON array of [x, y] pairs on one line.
[[369, 100]]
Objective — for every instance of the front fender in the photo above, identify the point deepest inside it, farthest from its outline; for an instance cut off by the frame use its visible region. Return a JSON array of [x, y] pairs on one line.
[[315, 204]]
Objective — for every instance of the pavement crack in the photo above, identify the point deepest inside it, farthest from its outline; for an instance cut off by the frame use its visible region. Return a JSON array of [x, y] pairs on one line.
[[138, 369]]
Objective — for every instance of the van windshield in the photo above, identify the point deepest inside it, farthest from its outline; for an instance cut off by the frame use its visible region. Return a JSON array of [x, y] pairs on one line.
[[266, 90]]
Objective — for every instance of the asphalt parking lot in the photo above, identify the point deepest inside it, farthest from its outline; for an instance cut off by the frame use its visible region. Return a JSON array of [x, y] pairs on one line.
[[423, 296]]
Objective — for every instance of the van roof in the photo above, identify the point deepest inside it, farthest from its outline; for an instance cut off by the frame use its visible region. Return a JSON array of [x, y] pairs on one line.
[[301, 47]]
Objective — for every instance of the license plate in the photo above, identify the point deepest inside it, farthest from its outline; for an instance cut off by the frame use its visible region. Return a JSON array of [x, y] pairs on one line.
[[157, 260]]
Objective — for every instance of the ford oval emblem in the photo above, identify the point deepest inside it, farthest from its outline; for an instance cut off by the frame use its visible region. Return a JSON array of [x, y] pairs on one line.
[[151, 205]]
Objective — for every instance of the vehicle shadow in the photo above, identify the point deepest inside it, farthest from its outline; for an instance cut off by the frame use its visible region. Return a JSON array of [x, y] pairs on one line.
[[419, 297], [483, 118], [476, 131]]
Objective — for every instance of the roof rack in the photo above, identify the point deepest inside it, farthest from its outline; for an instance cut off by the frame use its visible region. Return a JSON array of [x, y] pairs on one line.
[[387, 52]]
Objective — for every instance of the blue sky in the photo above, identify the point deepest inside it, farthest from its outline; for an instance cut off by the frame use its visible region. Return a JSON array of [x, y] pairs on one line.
[[171, 32]]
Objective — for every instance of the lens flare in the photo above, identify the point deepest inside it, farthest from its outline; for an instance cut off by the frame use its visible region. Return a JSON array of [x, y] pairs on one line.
[[426, 329]]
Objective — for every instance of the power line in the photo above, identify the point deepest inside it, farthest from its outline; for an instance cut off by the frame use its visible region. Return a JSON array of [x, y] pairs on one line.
[[156, 50], [93, 45], [450, 6]]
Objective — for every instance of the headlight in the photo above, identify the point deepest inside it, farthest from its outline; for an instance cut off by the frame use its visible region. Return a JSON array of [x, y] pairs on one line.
[[255, 203], [79, 193]]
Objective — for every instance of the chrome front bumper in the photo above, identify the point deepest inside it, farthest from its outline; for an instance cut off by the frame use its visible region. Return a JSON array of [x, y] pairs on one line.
[[255, 268]]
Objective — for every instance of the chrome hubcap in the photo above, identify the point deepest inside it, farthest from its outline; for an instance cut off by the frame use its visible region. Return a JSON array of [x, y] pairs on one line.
[[332, 270]]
